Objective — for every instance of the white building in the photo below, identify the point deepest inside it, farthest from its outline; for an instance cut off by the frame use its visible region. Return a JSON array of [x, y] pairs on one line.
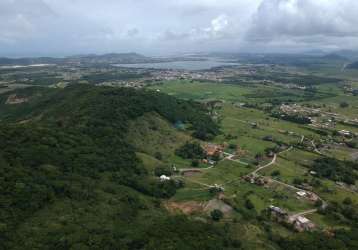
[[301, 193], [164, 178]]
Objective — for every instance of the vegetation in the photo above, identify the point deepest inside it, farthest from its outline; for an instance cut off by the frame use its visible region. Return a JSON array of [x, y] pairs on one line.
[[80, 166], [216, 214], [292, 118], [336, 170], [191, 150], [75, 177], [342, 240]]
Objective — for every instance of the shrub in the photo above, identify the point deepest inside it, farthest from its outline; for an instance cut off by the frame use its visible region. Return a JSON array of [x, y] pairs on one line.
[[216, 215], [190, 150]]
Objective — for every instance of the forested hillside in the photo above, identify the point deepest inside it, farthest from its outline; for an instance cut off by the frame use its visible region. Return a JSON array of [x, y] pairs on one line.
[[70, 180]]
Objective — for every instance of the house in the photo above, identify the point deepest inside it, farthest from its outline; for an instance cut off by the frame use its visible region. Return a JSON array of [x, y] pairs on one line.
[[219, 187], [213, 150], [301, 194], [344, 132], [301, 224], [279, 214], [277, 211], [164, 178], [313, 172], [255, 179], [307, 195], [312, 197], [211, 162]]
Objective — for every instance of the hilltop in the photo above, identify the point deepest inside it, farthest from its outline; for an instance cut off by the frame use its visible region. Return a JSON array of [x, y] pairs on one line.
[[70, 178]]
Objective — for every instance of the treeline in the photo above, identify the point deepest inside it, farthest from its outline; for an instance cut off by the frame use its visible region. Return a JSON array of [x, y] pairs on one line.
[[342, 239], [336, 170], [292, 118], [287, 78], [112, 76]]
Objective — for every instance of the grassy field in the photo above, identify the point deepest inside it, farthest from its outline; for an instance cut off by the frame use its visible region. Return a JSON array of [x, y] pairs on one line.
[[203, 91], [246, 128], [249, 93], [151, 135]]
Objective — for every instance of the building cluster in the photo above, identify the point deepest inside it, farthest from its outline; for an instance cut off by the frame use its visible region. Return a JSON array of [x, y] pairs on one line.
[[257, 179], [14, 99], [295, 109], [319, 118], [300, 223], [307, 195], [213, 150], [350, 90]]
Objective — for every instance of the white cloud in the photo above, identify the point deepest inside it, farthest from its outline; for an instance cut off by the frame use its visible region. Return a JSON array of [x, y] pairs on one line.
[[86, 26], [219, 24]]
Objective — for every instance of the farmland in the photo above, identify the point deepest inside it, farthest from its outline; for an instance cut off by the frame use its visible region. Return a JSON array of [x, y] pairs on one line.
[[246, 124]]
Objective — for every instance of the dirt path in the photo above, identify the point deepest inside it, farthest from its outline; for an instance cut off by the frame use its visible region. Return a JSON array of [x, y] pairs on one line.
[[324, 203], [194, 169], [207, 186], [272, 162], [265, 166], [230, 158], [311, 211], [315, 148]]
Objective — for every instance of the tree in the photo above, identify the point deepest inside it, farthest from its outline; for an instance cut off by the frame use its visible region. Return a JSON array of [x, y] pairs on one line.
[[190, 150], [195, 163], [344, 105], [318, 203], [232, 146], [347, 201], [276, 173], [216, 214], [297, 181], [249, 204], [158, 156], [162, 170]]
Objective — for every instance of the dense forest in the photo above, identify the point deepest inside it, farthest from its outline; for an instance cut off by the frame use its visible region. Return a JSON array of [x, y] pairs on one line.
[[344, 171], [69, 180]]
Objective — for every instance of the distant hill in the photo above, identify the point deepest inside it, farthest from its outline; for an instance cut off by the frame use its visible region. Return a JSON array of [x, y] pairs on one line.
[[334, 57], [30, 60], [349, 54], [353, 65], [111, 58]]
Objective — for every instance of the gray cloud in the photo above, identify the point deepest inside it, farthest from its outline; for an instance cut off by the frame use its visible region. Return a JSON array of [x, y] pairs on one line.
[[309, 21], [62, 27]]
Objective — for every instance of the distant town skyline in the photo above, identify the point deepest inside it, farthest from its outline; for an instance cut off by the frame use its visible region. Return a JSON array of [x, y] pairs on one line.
[[162, 27]]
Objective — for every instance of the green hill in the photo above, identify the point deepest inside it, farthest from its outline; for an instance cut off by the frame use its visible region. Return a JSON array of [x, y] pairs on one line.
[[70, 179]]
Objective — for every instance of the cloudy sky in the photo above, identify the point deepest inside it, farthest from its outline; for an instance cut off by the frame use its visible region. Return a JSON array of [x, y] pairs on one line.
[[65, 27]]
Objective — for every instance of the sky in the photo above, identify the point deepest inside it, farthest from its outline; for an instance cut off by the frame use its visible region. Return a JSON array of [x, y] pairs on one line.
[[168, 27]]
